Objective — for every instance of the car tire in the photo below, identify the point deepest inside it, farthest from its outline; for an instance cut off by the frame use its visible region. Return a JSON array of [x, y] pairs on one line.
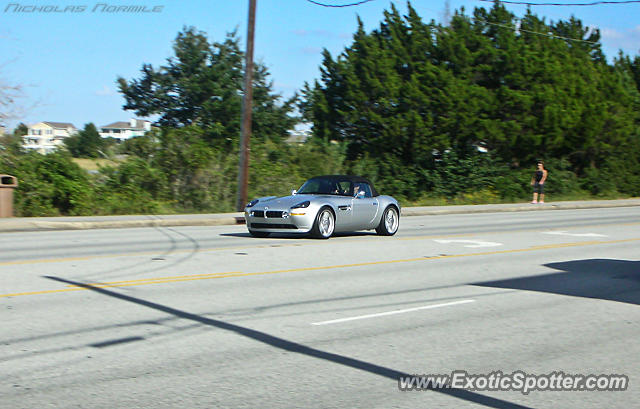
[[259, 234], [389, 222], [324, 225]]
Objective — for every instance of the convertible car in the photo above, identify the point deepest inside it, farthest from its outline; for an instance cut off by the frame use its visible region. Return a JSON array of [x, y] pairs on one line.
[[325, 205]]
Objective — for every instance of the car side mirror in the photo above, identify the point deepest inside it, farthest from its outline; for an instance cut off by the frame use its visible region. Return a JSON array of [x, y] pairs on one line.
[[293, 192]]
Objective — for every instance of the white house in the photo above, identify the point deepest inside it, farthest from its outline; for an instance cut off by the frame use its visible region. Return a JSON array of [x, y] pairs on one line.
[[46, 137], [299, 134], [125, 130]]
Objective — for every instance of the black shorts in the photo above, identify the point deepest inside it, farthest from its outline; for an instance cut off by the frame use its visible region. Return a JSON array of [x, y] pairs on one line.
[[538, 188]]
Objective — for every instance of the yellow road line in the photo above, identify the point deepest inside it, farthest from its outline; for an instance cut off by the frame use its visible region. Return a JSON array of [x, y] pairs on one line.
[[145, 280], [209, 276]]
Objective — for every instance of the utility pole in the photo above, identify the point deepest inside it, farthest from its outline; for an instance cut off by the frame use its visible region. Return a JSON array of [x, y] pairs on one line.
[[245, 127]]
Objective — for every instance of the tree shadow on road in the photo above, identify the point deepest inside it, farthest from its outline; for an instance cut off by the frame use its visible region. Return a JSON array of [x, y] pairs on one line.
[[605, 279], [294, 347]]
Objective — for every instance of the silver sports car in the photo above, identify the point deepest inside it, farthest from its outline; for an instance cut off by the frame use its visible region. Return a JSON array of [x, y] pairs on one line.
[[322, 206]]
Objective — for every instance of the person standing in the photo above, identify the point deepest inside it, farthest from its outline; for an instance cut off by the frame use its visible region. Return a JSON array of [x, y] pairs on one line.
[[537, 181]]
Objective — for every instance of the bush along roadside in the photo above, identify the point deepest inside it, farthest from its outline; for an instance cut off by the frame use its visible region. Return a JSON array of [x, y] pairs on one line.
[[174, 171]]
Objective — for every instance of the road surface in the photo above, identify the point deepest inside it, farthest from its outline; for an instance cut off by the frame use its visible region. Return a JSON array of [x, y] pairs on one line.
[[204, 317]]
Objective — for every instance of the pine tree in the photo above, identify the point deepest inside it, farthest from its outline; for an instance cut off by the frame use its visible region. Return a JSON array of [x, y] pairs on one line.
[[408, 95], [202, 85]]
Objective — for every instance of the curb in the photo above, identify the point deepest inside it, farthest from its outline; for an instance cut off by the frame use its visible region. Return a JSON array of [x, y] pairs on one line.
[[517, 207], [110, 222], [38, 225]]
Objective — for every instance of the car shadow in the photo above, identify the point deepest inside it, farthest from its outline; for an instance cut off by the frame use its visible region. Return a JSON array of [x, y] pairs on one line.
[[271, 236], [301, 235], [235, 234], [605, 279], [355, 234]]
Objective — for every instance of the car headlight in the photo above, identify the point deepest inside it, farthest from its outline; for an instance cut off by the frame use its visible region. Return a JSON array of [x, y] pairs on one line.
[[302, 205], [252, 203]]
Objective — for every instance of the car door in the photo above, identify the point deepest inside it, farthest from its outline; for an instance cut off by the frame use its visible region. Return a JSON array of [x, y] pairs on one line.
[[344, 214], [364, 207], [342, 204]]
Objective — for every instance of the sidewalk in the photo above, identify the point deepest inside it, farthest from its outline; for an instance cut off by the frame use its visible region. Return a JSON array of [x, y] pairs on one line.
[[16, 224]]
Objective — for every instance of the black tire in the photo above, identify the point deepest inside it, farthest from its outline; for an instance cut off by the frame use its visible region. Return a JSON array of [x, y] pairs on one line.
[[389, 222], [259, 234], [324, 225]]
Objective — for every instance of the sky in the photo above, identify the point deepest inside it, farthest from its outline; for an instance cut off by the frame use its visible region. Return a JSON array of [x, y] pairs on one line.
[[67, 55]]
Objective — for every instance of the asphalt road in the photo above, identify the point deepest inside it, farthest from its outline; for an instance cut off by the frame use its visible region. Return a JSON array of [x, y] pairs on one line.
[[204, 317]]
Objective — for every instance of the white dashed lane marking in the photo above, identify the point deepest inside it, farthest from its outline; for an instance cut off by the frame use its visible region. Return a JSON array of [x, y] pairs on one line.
[[470, 243], [384, 314], [566, 233]]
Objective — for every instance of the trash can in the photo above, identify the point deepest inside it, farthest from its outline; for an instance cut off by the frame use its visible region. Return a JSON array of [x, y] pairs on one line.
[[7, 184]]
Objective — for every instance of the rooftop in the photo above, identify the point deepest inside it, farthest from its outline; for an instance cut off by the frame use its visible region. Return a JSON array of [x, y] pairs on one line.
[[59, 125]]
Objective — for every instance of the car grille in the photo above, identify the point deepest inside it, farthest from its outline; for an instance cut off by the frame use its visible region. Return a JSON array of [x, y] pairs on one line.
[[272, 214], [272, 226]]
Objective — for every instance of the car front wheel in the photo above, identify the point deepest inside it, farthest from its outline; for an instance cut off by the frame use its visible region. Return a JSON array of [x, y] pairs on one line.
[[389, 223], [324, 224]]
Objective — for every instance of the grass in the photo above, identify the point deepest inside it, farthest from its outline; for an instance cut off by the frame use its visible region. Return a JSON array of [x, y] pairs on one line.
[[489, 197], [93, 164]]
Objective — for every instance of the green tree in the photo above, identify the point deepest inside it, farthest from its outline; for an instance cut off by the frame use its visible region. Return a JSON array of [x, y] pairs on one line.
[[49, 185], [202, 86], [86, 144], [12, 143], [21, 130], [408, 94], [629, 67]]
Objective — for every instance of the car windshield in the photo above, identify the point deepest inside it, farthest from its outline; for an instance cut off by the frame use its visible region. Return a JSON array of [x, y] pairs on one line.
[[327, 186]]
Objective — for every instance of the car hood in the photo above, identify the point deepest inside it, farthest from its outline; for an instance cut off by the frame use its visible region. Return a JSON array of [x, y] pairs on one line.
[[284, 202]]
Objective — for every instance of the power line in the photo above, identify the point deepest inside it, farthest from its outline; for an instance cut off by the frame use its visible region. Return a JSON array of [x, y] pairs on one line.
[[595, 3], [511, 2], [341, 5], [535, 32]]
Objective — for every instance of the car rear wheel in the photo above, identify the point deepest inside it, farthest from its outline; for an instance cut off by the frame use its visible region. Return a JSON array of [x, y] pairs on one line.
[[324, 224], [389, 223], [259, 234]]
